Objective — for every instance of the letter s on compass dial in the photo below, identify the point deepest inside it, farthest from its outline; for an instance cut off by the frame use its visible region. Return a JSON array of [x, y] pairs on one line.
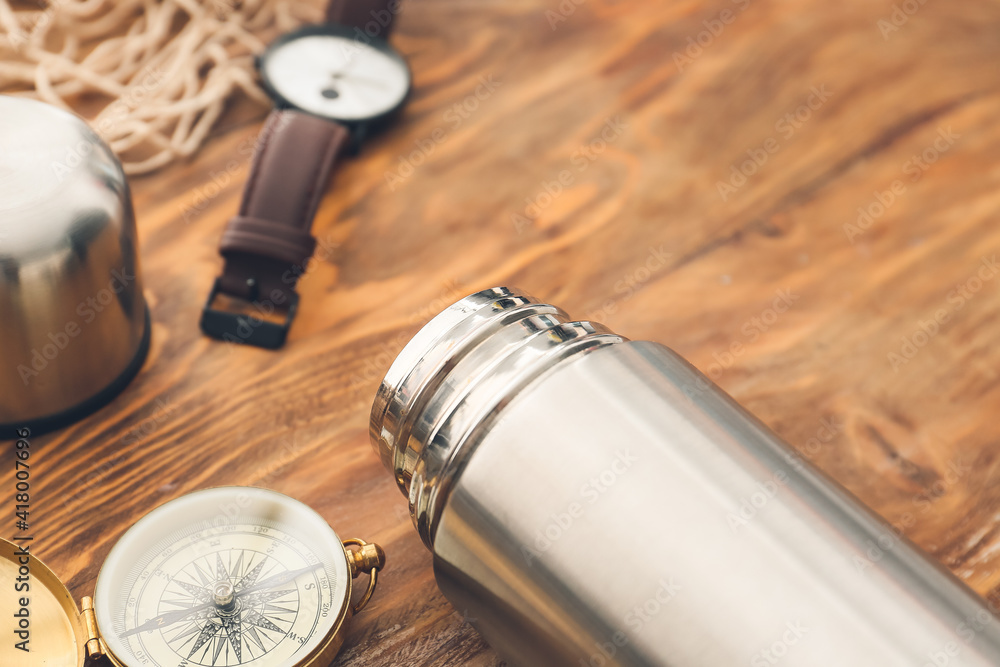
[[224, 577]]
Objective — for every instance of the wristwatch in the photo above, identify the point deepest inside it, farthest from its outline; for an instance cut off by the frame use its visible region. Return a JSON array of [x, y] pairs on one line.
[[332, 84]]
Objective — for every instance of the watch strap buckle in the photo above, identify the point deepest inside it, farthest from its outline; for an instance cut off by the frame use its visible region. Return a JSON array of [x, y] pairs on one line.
[[247, 328]]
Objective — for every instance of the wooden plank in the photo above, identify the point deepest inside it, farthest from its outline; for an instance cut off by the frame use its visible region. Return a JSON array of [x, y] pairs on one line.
[[586, 151]]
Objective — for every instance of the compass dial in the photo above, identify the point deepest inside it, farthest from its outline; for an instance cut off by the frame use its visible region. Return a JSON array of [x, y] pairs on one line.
[[223, 577]]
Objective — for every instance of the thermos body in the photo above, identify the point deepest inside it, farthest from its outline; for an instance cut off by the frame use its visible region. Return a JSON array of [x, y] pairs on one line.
[[595, 501]]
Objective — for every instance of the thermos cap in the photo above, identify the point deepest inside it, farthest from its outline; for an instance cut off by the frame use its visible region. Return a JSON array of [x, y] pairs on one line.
[[454, 377], [74, 326]]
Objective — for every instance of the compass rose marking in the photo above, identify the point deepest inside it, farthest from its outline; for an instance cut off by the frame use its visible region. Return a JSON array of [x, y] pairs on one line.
[[238, 568], [186, 631], [183, 604], [215, 635], [199, 593], [275, 609], [255, 618], [260, 597], [272, 567], [202, 575], [218, 642], [206, 633], [220, 570], [234, 628], [251, 577], [252, 634]]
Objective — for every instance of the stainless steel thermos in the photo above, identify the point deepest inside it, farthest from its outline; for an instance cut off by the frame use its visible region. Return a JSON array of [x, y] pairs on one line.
[[591, 500]]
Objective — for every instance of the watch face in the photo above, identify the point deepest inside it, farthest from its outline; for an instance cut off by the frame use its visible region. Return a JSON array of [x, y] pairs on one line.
[[223, 577], [328, 71]]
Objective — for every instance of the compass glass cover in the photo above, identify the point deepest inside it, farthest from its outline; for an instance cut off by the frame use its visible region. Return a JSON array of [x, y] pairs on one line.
[[223, 577]]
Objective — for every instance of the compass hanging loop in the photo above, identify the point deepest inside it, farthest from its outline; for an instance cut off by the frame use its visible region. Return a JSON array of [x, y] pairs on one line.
[[368, 558]]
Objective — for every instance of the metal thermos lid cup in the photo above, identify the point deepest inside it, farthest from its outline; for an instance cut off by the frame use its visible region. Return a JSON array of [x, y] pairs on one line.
[[74, 326]]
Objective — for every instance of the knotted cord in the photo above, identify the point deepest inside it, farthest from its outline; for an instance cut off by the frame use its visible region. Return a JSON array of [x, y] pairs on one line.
[[151, 76]]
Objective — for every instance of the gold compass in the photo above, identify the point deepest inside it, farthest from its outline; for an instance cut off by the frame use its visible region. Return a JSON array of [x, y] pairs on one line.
[[225, 577]]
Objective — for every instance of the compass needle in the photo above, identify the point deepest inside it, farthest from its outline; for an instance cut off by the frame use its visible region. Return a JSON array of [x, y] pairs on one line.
[[278, 609], [201, 594], [251, 576], [280, 579], [259, 597], [238, 567], [186, 631], [184, 604]]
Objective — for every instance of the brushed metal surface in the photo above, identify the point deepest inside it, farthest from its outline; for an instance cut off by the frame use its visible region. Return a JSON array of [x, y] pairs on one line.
[[72, 313], [543, 493]]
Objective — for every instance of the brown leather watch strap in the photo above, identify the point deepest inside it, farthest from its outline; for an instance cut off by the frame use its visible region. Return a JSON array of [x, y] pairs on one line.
[[267, 246], [374, 17]]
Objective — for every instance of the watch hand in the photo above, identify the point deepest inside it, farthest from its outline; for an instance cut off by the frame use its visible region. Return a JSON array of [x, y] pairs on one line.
[[364, 79], [278, 579], [348, 66]]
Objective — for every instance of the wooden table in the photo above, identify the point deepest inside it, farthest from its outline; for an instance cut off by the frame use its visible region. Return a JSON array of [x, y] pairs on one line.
[[800, 197]]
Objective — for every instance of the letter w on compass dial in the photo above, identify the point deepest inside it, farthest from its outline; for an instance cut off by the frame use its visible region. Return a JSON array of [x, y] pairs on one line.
[[228, 608]]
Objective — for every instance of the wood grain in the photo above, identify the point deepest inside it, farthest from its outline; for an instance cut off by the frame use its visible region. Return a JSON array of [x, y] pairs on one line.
[[516, 185]]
